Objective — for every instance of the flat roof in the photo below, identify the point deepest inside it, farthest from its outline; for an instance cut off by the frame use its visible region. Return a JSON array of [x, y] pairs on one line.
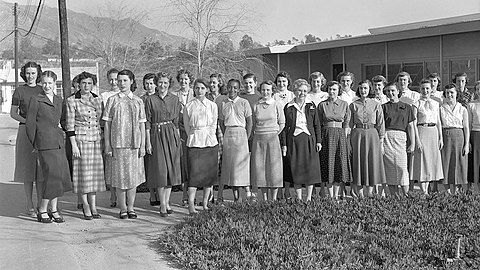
[[455, 25]]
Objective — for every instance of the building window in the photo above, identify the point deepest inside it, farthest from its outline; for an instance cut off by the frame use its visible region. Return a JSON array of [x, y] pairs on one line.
[[463, 65], [373, 70], [416, 72]]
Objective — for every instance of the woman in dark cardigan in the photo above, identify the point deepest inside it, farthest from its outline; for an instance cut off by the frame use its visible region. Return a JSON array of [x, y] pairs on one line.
[[300, 140]]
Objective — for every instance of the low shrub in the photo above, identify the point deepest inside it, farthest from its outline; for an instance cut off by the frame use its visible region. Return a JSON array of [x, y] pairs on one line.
[[373, 233]]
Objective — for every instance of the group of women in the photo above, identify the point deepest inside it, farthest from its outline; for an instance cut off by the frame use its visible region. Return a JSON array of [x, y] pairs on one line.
[[210, 133]]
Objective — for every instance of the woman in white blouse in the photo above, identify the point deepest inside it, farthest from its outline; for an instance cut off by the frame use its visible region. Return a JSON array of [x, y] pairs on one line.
[[200, 120]]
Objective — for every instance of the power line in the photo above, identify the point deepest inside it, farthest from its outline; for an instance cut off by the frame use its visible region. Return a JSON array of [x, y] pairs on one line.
[[34, 18], [5, 37]]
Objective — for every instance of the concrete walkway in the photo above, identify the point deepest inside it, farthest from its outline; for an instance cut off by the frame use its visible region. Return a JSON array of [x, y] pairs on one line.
[[106, 243]]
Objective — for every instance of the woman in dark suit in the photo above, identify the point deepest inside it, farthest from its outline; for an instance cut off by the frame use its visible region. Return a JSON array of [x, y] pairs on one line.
[[300, 140], [46, 136]]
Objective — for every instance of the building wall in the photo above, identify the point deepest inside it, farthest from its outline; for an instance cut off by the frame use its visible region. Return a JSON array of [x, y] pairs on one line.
[[296, 64]]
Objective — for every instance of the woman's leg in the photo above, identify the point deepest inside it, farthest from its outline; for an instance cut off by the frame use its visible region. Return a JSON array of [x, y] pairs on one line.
[[122, 201], [153, 196], [86, 206], [113, 197], [330, 190], [393, 189], [163, 199], [286, 186], [92, 200], [42, 208], [448, 188], [336, 189], [185, 195], [264, 193], [236, 194], [168, 191], [28, 188], [405, 189], [424, 187], [298, 191], [192, 191], [309, 192], [353, 191], [131, 199], [39, 188], [206, 196], [274, 194]]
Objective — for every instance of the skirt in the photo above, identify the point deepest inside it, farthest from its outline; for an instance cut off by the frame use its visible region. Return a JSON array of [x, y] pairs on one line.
[[334, 161], [304, 162], [203, 166], [88, 170], [56, 174], [236, 158], [184, 156], [454, 163], [367, 160], [395, 158], [266, 161], [427, 165], [163, 165], [474, 158], [27, 168], [108, 169], [127, 168]]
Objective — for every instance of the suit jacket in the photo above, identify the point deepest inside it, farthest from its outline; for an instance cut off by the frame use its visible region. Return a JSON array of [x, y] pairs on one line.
[[313, 124], [43, 122], [84, 117]]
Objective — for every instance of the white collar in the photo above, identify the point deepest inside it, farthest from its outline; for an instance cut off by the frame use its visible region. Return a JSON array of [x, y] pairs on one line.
[[122, 94], [269, 101], [234, 100], [294, 104]]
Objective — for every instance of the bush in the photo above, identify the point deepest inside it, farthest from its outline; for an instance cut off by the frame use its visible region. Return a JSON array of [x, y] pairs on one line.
[[374, 233]]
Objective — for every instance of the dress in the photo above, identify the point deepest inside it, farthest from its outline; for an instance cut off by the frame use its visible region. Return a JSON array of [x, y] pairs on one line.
[[107, 160], [236, 157], [44, 132], [301, 134], [124, 114], [200, 119], [397, 117], [427, 165], [454, 162], [334, 116], [84, 113], [368, 130], [266, 158], [474, 156], [26, 163]]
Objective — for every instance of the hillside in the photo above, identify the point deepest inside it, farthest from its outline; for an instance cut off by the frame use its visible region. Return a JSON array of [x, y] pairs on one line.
[[80, 26]]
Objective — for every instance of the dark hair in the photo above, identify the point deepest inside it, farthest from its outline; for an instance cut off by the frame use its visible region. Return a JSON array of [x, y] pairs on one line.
[[316, 75], [232, 81], [346, 73], [332, 83], [250, 75], [391, 84], [112, 70], [87, 75], [221, 83], [371, 94], [49, 73], [202, 81], [149, 76], [433, 76], [23, 71], [268, 82], [165, 75], [379, 78], [284, 74], [403, 74], [450, 86], [184, 71], [75, 80], [130, 75], [460, 74]]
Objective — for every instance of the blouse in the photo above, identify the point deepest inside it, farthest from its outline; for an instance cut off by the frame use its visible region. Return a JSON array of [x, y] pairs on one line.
[[316, 98], [397, 115], [427, 111], [334, 111], [200, 120], [474, 111], [235, 112], [125, 112], [84, 113], [349, 96], [22, 95], [268, 116], [410, 97], [283, 98], [106, 95], [301, 123], [184, 97], [367, 112], [452, 118], [160, 110]]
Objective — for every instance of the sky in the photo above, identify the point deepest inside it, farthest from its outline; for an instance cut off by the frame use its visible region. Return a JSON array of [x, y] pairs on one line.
[[283, 19]]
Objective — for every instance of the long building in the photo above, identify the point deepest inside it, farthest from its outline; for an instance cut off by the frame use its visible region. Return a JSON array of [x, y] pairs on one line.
[[417, 48]]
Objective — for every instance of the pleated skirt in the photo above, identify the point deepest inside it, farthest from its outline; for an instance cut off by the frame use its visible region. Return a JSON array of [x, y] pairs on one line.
[[235, 158], [203, 166], [454, 163], [304, 160], [27, 168], [427, 165], [395, 158], [127, 168], [474, 158], [88, 173], [334, 156], [163, 167], [266, 161], [55, 171], [367, 160]]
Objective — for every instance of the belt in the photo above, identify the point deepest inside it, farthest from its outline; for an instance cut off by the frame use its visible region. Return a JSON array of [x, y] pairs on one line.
[[453, 128], [162, 123], [333, 124], [426, 124], [21, 124], [364, 126]]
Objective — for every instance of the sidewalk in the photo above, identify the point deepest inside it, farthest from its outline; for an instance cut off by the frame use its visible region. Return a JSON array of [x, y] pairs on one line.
[[106, 243]]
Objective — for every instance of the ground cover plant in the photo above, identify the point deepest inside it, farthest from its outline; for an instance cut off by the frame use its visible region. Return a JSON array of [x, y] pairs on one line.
[[437, 232]]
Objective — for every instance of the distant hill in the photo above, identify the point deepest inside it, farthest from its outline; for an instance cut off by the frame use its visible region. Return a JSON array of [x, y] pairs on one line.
[[79, 27]]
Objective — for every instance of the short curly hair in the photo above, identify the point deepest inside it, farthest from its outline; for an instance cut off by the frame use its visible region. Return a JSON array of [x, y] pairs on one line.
[[87, 75], [316, 75], [167, 75], [300, 82], [130, 75], [332, 83], [23, 71], [184, 71], [283, 74], [346, 73], [371, 92]]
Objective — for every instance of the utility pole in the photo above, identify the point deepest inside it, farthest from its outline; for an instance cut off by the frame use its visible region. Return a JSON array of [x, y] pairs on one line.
[[65, 55], [15, 46]]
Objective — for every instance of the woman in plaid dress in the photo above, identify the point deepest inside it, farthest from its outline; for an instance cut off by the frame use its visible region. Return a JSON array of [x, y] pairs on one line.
[[84, 112]]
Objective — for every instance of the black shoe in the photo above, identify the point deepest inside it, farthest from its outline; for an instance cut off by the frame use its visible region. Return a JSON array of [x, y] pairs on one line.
[[96, 216], [169, 211], [79, 206], [113, 204], [42, 219], [123, 215], [164, 214], [131, 214], [154, 203], [58, 219]]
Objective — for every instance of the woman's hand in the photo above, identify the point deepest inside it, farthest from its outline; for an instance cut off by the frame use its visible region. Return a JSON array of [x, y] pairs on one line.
[[466, 149], [411, 148], [382, 148], [319, 147], [108, 151], [440, 144], [76, 152], [141, 152], [419, 147], [148, 148], [284, 151]]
